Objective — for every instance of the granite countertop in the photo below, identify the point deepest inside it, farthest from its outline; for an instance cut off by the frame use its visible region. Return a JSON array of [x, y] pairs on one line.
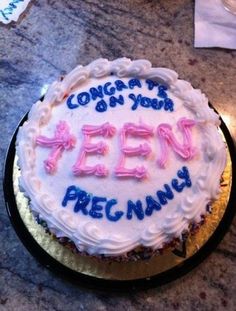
[[50, 39]]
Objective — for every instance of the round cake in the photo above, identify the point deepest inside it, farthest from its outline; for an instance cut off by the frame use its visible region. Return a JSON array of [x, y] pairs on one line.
[[120, 155]]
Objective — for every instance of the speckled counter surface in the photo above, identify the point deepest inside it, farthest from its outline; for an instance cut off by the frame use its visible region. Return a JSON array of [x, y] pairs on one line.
[[51, 38]]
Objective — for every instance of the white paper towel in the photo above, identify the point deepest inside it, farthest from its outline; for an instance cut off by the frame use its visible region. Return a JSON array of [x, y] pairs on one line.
[[214, 26], [10, 10]]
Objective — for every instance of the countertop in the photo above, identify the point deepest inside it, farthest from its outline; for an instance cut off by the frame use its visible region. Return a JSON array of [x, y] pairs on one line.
[[50, 39]]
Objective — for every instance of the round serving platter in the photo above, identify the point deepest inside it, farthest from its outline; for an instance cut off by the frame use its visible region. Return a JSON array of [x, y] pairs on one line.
[[116, 276]]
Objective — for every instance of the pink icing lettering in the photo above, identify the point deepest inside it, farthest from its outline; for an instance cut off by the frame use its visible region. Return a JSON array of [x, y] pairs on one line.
[[80, 167], [185, 150], [144, 150], [61, 141]]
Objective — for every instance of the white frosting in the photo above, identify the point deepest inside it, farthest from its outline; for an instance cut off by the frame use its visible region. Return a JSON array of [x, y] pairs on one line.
[[101, 236]]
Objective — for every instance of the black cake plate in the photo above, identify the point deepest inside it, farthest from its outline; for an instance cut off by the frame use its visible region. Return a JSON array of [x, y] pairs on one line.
[[107, 284]]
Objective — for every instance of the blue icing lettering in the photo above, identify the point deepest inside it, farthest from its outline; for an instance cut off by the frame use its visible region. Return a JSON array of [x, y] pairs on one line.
[[161, 104], [100, 206], [163, 196], [134, 82], [157, 105], [162, 91], [114, 100], [120, 85], [135, 208], [71, 194], [162, 88], [162, 94], [69, 102], [83, 98], [184, 174], [83, 199], [151, 84], [136, 100], [95, 211], [96, 92], [178, 187], [151, 205], [109, 91], [146, 102], [117, 215], [101, 106], [168, 104]]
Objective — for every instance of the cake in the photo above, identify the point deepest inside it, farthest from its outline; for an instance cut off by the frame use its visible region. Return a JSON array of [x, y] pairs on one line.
[[120, 156]]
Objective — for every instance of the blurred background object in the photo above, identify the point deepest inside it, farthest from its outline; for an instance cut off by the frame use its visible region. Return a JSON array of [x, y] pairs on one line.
[[230, 5]]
